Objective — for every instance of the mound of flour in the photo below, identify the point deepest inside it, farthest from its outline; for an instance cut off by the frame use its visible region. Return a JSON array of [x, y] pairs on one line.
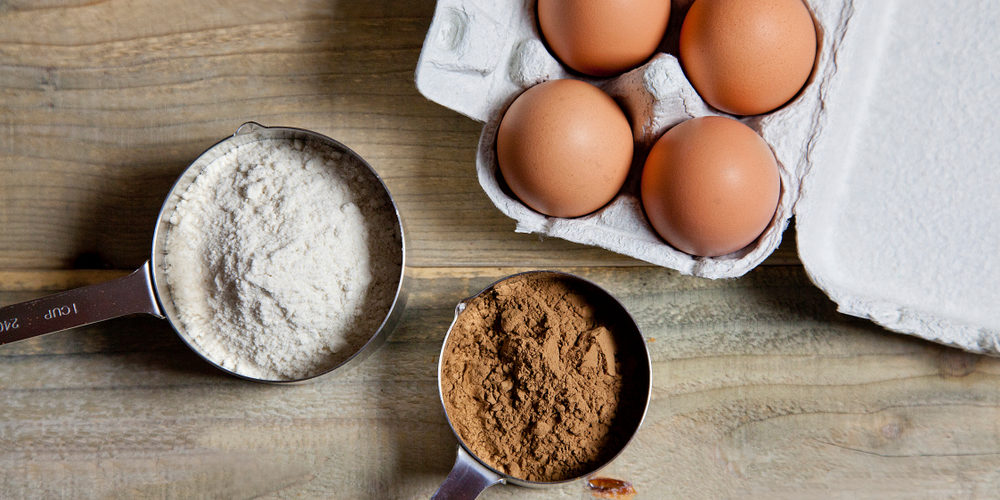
[[282, 259]]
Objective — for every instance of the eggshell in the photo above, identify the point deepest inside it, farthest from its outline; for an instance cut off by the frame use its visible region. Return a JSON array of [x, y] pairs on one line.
[[710, 186], [748, 57], [564, 148], [603, 37]]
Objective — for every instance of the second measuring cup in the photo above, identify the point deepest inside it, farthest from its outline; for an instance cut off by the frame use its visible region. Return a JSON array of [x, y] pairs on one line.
[[513, 345], [146, 290]]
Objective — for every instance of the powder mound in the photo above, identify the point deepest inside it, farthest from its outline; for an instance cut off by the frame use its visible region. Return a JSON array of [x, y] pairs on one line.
[[282, 259], [537, 383]]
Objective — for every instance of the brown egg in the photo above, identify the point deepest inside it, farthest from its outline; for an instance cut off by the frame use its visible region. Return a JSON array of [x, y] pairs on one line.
[[748, 57], [603, 37], [710, 186], [564, 148]]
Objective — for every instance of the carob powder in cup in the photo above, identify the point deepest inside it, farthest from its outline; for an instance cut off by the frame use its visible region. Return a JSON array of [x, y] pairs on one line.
[[537, 381]]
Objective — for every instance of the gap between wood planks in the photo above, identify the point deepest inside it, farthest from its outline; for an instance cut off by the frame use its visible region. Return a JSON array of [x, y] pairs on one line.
[[23, 280]]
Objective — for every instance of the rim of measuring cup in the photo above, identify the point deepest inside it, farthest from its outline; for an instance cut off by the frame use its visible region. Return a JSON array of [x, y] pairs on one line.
[[647, 394], [248, 130]]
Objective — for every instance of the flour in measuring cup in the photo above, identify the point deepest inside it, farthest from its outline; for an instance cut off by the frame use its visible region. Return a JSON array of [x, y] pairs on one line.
[[282, 259]]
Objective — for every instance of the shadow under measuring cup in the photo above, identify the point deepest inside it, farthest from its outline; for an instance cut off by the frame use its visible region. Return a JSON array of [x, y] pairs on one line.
[[145, 291]]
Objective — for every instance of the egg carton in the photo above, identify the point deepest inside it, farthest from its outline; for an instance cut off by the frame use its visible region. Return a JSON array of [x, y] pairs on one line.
[[479, 56], [875, 249]]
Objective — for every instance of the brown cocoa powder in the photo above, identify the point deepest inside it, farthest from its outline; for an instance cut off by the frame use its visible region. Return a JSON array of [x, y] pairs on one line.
[[535, 382]]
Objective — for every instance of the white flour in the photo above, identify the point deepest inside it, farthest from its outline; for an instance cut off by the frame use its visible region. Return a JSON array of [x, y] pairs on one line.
[[282, 259]]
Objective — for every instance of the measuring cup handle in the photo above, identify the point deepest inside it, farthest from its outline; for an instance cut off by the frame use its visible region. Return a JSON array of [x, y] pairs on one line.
[[131, 294], [467, 479]]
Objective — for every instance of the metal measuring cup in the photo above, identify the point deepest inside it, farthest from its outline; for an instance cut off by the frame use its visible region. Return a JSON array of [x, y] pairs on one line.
[[470, 475], [145, 291]]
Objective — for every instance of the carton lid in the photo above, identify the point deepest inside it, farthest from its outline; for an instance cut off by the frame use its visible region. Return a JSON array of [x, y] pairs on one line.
[[898, 218]]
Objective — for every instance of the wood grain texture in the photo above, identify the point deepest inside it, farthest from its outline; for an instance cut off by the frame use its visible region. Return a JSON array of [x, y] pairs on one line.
[[760, 388], [104, 104]]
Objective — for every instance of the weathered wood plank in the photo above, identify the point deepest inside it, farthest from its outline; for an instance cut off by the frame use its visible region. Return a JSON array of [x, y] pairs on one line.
[[105, 103], [760, 387]]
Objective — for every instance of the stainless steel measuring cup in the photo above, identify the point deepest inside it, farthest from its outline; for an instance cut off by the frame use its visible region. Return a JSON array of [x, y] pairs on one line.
[[471, 475], [145, 291]]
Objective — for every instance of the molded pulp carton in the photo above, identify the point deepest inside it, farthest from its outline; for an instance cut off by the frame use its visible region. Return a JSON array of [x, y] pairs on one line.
[[888, 156]]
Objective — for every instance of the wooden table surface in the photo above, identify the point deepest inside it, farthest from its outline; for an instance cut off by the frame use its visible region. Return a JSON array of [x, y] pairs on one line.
[[761, 388]]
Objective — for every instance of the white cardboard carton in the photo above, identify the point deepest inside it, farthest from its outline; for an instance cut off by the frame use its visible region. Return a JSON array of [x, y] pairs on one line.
[[888, 157]]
